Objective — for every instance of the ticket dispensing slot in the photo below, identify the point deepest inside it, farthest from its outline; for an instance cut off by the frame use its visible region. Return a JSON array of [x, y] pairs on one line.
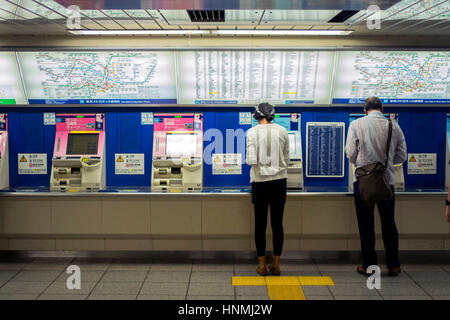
[[399, 184], [177, 163], [292, 123], [78, 158], [4, 154]]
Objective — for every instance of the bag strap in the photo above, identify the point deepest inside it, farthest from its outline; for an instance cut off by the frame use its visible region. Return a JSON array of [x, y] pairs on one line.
[[388, 144]]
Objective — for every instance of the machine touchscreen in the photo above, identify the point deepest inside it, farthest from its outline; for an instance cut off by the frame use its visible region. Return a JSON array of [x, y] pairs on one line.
[[292, 145], [181, 144], [82, 143]]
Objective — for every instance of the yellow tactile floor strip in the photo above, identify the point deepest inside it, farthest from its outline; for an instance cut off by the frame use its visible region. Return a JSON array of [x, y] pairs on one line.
[[285, 293], [283, 288], [316, 281]]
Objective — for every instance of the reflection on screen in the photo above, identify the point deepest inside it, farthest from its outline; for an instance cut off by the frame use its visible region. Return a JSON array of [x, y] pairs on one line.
[[82, 143], [292, 149], [181, 144], [1, 138]]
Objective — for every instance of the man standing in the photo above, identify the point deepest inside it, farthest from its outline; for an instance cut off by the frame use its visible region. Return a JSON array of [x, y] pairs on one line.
[[366, 144], [268, 156]]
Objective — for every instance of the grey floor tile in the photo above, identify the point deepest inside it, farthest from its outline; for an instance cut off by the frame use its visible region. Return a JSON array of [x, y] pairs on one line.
[[298, 267], [351, 289], [214, 289], [93, 266], [301, 273], [46, 266], [337, 267], [251, 290], [210, 298], [57, 260], [63, 297], [171, 267], [129, 267], [264, 297], [130, 276], [86, 276], [36, 275], [430, 276], [61, 288], [446, 267], [112, 297], [441, 297], [92, 260], [358, 298], [421, 267], [402, 277], [345, 276], [5, 275], [24, 287], [212, 267], [330, 297], [168, 276], [11, 266], [153, 288], [436, 288], [406, 298], [160, 297], [246, 273], [245, 267], [124, 288], [401, 289], [210, 276], [18, 296], [316, 291]]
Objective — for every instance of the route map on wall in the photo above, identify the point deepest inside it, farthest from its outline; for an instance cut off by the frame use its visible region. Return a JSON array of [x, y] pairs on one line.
[[99, 77], [250, 77], [11, 89], [393, 76]]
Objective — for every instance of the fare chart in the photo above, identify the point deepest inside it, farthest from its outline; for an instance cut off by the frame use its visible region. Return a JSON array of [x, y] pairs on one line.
[[411, 77], [250, 77], [11, 89], [99, 77], [325, 149]]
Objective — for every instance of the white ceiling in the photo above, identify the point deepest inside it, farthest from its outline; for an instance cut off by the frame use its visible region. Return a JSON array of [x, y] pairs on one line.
[[47, 17]]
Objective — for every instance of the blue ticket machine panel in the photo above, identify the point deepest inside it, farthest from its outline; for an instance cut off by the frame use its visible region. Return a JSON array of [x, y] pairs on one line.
[[292, 123], [398, 167]]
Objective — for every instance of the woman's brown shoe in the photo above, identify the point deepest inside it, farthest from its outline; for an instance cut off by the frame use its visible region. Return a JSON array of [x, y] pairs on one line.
[[262, 271], [275, 270]]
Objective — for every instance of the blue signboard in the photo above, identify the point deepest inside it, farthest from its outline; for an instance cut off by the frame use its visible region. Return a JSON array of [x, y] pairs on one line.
[[325, 149]]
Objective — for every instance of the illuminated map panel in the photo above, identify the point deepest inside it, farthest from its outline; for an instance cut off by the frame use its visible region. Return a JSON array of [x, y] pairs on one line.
[[250, 77], [11, 89], [99, 77], [393, 76]]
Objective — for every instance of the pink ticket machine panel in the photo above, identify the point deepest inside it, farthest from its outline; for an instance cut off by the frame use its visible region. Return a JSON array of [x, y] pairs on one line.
[[177, 162], [4, 156], [78, 156]]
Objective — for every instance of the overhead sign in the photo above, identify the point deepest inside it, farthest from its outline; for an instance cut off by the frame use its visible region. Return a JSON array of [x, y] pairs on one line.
[[227, 163], [129, 163], [422, 163], [32, 163]]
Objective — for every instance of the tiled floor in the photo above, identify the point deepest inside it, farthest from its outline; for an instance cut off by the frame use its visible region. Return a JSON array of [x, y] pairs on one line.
[[197, 279]]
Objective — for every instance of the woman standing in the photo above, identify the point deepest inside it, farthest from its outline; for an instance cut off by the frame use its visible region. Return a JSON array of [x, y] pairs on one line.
[[268, 156]]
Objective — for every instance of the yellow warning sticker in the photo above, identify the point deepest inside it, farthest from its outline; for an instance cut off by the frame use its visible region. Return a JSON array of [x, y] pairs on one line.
[[412, 159], [120, 159], [23, 159]]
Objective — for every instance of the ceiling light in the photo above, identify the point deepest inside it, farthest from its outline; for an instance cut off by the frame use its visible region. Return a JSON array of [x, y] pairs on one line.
[[286, 32], [134, 32]]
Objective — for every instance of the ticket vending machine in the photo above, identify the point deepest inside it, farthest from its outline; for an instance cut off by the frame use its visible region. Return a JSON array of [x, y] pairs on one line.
[[292, 123], [4, 156], [177, 162], [398, 167], [78, 162]]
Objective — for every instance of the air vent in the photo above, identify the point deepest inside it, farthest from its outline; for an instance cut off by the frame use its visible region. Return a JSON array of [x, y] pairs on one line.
[[206, 15], [343, 15]]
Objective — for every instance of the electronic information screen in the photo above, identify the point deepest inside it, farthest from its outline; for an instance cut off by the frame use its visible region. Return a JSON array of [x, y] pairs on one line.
[[293, 148], [181, 144], [82, 143]]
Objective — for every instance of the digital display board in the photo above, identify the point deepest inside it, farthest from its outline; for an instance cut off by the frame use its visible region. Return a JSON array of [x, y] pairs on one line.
[[180, 144], [82, 143], [11, 89]]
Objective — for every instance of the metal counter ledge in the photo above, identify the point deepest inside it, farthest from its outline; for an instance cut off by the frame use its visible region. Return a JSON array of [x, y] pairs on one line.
[[207, 192]]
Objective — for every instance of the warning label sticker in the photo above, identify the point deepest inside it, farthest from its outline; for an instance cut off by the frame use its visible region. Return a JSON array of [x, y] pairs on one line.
[[32, 163], [422, 163], [129, 163], [226, 163]]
